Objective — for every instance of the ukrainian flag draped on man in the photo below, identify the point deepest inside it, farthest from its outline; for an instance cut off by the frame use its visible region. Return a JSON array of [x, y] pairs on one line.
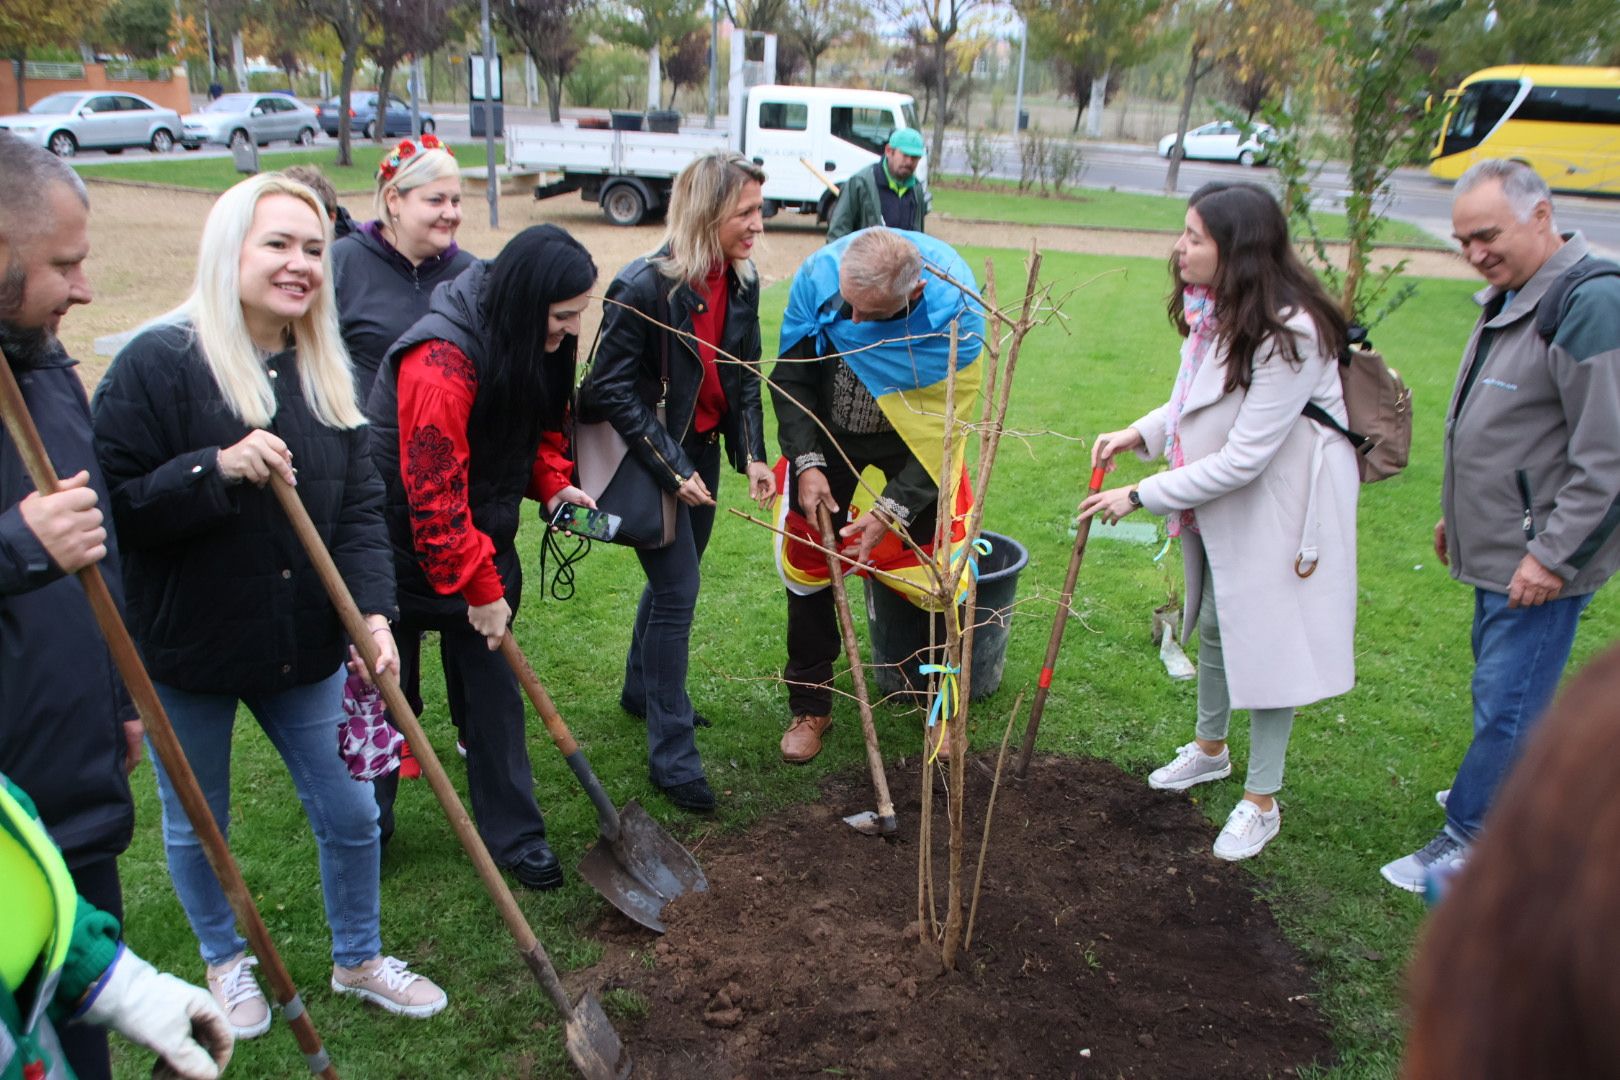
[[902, 363]]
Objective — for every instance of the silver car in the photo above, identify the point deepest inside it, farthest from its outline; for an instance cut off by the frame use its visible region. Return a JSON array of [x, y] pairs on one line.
[[77, 120], [236, 119]]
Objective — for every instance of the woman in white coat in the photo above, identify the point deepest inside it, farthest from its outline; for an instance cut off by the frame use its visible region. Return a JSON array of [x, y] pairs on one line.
[[1263, 498]]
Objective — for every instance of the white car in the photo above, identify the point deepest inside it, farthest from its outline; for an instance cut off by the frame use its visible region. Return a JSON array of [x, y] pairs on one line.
[[75, 120], [1222, 140], [238, 119]]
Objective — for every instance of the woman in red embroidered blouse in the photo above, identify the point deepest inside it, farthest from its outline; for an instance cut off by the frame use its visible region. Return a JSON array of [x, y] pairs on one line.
[[467, 420]]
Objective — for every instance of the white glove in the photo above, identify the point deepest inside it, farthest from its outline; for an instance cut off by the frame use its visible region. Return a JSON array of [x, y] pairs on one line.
[[162, 1013]]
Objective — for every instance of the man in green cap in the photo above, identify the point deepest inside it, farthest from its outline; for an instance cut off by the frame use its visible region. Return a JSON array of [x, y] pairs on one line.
[[889, 193]]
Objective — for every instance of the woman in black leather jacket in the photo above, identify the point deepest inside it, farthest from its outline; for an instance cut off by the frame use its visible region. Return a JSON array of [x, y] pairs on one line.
[[702, 283]]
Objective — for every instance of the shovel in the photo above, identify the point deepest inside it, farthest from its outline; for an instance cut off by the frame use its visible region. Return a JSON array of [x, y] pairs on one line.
[[883, 821], [635, 865], [592, 1043], [1059, 622]]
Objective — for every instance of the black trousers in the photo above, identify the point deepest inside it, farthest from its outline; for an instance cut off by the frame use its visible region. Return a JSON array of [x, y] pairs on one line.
[[86, 1044], [813, 639], [486, 706]]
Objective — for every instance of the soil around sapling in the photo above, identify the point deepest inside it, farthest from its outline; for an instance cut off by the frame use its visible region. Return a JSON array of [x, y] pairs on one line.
[[1109, 942]]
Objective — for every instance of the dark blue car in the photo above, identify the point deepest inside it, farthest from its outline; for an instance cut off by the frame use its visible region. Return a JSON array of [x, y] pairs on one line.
[[363, 115]]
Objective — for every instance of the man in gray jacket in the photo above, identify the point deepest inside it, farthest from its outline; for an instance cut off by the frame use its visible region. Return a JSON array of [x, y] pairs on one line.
[[1531, 498]]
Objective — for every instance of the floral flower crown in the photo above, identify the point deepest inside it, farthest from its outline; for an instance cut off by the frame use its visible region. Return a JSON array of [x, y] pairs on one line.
[[405, 151]]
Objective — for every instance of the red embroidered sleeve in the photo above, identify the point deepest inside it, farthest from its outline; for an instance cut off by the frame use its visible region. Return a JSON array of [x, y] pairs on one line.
[[437, 385], [552, 470]]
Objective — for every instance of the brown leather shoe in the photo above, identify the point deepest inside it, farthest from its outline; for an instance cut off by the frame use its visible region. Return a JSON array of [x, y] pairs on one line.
[[802, 741], [939, 737]]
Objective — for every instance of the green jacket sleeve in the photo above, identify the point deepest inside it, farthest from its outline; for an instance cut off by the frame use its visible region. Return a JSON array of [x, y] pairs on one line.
[[856, 208]]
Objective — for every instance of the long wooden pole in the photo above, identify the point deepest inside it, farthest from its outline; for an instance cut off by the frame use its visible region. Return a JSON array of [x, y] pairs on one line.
[[19, 425], [590, 1053], [887, 822]]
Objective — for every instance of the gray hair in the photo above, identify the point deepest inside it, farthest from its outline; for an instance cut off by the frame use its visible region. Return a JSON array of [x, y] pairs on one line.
[[1521, 185], [27, 174], [882, 264]]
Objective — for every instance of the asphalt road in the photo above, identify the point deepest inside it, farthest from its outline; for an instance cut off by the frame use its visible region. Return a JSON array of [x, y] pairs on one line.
[[1415, 197]]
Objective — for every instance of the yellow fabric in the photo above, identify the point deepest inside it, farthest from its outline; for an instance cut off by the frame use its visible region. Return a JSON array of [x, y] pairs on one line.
[[25, 910]]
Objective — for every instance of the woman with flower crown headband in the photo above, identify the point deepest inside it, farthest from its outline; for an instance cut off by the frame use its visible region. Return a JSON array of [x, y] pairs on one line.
[[1263, 497], [384, 272]]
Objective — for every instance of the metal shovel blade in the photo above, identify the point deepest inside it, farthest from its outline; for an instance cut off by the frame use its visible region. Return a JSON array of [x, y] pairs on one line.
[[643, 870], [592, 1043], [869, 823]]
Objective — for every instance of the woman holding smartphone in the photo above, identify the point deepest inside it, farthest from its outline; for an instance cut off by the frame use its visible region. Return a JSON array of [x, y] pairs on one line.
[[467, 417]]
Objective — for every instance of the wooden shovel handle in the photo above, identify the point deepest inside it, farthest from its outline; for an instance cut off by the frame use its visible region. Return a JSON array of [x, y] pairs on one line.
[[852, 648], [555, 727], [404, 717], [1054, 642]]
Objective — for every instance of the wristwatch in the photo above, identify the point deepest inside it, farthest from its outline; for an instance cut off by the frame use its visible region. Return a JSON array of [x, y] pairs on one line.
[[1135, 497]]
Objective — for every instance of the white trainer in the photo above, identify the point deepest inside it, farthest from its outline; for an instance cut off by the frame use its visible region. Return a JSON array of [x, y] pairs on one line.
[[1442, 797], [1247, 831], [1191, 766]]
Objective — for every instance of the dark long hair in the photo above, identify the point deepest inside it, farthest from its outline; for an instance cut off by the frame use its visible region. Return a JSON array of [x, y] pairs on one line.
[[1259, 280], [526, 390]]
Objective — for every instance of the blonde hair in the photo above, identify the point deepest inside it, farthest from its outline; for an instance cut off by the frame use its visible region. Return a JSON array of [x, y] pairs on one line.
[[420, 169], [213, 313], [704, 194]]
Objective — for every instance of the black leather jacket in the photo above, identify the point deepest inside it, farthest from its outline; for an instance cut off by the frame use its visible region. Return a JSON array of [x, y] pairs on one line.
[[623, 384]]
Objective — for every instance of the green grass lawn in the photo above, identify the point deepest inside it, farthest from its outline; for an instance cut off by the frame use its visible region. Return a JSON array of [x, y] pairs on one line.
[[219, 173], [1362, 768], [1103, 208]]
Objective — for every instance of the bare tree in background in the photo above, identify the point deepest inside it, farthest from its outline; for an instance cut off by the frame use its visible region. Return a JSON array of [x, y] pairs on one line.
[[349, 22], [547, 31]]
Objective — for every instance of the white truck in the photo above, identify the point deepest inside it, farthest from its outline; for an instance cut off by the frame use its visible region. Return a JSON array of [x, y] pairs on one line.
[[792, 132]]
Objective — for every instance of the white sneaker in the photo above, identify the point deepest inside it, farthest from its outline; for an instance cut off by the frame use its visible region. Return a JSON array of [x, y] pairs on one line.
[[237, 993], [1441, 797], [1441, 855], [388, 982], [1248, 829], [1191, 766]]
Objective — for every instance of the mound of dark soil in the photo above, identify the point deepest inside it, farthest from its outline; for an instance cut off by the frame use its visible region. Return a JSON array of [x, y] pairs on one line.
[[1108, 942]]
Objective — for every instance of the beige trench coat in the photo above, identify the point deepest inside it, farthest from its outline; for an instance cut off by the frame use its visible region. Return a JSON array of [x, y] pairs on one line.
[[1270, 490]]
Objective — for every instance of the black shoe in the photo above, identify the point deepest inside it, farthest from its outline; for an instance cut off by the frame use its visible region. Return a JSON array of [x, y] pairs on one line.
[[694, 796], [698, 719], [539, 869]]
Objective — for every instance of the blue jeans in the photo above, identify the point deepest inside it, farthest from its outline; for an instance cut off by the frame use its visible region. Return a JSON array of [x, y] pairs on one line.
[[302, 725], [1519, 656], [655, 670]]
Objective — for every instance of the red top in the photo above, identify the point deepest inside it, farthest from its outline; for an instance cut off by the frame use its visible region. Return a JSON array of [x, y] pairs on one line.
[[437, 385], [709, 324]]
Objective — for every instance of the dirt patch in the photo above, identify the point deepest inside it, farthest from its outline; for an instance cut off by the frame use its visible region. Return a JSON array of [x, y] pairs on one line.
[[1109, 942]]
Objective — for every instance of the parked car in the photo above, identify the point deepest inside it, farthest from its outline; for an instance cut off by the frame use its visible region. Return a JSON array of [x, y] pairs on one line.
[[1223, 140], [237, 119], [363, 115], [75, 120]]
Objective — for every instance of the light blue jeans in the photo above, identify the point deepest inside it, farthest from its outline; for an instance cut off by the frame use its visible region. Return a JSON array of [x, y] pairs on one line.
[[1268, 728], [302, 725]]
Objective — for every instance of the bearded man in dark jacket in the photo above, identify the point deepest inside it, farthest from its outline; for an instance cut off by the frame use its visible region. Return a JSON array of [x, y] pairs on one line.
[[68, 731]]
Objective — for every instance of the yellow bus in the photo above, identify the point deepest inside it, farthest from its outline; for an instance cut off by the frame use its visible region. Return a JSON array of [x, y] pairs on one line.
[[1564, 122]]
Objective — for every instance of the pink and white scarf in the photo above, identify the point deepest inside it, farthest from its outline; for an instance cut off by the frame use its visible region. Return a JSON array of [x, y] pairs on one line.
[[1198, 306]]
